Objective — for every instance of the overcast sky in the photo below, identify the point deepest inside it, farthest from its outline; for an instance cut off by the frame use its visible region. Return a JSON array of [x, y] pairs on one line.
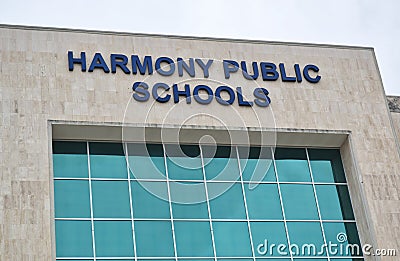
[[349, 22]]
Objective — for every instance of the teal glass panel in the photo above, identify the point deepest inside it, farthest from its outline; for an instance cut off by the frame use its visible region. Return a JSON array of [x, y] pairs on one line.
[[292, 165], [345, 236], [116, 259], [154, 239], [71, 199], [334, 202], [113, 238], [146, 161], [193, 239], [272, 259], [107, 160], [256, 164], [150, 199], [326, 165], [299, 202], [226, 200], [220, 163], [188, 200], [184, 162], [311, 259], [110, 199], [74, 259], [347, 259], [308, 237], [234, 259], [263, 201], [265, 234], [70, 160], [73, 238], [232, 239]]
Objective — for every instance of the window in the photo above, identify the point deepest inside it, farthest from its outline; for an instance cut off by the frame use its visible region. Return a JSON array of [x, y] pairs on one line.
[[117, 201]]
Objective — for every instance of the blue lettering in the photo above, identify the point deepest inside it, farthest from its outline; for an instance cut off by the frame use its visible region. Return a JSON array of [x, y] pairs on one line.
[[161, 70], [141, 93], [246, 73], [262, 97], [306, 74], [204, 67], [298, 73], [283, 74], [136, 64], [121, 61], [268, 71], [72, 61], [202, 88], [229, 91], [185, 93], [154, 92], [230, 66], [240, 98], [188, 68], [98, 63]]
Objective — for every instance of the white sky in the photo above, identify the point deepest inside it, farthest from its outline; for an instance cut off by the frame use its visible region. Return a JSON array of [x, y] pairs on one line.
[[349, 22]]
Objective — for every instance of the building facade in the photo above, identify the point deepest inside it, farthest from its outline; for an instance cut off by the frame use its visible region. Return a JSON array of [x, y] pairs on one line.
[[119, 146]]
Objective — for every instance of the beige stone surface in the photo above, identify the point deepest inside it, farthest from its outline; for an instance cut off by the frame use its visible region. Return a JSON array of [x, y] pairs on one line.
[[36, 86]]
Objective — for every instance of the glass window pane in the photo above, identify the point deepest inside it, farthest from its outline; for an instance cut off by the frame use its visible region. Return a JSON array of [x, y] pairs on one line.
[[299, 202], [232, 239], [345, 235], [334, 202], [107, 160], [70, 160], [184, 162], [308, 237], [110, 199], [326, 165], [154, 239], [188, 200], [226, 200], [292, 165], [256, 164], [71, 198], [113, 238], [220, 163], [74, 238], [146, 161], [150, 199], [263, 201], [275, 259], [265, 234], [189, 245]]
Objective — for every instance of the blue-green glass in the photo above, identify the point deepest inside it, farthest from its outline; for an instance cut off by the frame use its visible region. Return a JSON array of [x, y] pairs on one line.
[[322, 171], [266, 234], [70, 166], [71, 199], [113, 238], [188, 200], [116, 259], [232, 239], [154, 239], [307, 233], [110, 199], [326, 165], [235, 259], [193, 239], [74, 259], [226, 200], [108, 166], [299, 202], [150, 199], [347, 259], [73, 238], [223, 169], [293, 170], [257, 170], [330, 204], [272, 259], [184, 168], [144, 167], [292, 165], [345, 235], [263, 201], [311, 259]]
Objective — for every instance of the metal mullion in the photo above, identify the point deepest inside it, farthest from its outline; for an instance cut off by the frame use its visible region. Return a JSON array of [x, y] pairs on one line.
[[316, 201], [130, 200], [91, 202], [281, 201], [245, 204], [208, 203], [170, 203]]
